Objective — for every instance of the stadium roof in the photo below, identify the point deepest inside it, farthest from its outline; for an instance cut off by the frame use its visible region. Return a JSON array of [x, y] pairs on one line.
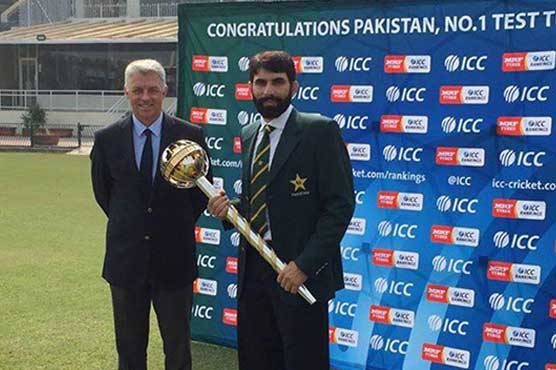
[[89, 31]]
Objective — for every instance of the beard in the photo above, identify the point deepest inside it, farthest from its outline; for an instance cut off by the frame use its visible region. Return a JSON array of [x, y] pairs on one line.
[[271, 112]]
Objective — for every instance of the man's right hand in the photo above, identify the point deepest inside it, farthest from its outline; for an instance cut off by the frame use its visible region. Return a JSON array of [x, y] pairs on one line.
[[218, 205]]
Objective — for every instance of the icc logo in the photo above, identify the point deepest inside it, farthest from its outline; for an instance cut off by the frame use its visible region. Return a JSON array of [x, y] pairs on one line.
[[359, 196], [406, 231], [509, 158], [464, 205], [206, 261], [307, 93], [513, 93], [455, 63], [202, 89], [234, 239], [214, 143], [342, 308], [514, 304], [351, 122], [202, 312], [350, 253], [243, 64], [407, 94], [358, 64], [458, 266], [391, 153], [398, 288], [232, 291], [237, 187], [467, 126], [493, 363], [245, 118], [447, 325], [377, 343], [503, 239]]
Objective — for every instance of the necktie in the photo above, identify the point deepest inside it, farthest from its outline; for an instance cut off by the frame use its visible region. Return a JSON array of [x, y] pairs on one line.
[[146, 167], [259, 180]]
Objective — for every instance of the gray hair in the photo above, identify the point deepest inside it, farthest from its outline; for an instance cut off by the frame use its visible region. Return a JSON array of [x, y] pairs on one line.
[[144, 66]]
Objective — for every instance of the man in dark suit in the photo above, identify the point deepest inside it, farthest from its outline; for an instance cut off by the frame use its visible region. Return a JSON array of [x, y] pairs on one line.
[[150, 237], [298, 194]]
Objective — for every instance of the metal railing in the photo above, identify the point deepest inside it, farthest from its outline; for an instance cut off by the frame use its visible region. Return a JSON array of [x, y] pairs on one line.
[[64, 100], [105, 11], [55, 137], [159, 10]]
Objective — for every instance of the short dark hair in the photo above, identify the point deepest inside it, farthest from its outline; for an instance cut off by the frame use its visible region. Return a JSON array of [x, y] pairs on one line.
[[277, 61]]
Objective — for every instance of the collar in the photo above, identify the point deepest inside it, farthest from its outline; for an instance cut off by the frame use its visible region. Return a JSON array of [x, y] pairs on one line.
[[139, 127]]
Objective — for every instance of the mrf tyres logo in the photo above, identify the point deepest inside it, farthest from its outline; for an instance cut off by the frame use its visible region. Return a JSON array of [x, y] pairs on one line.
[[394, 258], [399, 200], [463, 236], [344, 337], [532, 61], [351, 93], [446, 355], [359, 151], [307, 64], [206, 63], [464, 94], [407, 64], [514, 272], [524, 126], [453, 156], [404, 124], [450, 295], [392, 316], [519, 209], [514, 336]]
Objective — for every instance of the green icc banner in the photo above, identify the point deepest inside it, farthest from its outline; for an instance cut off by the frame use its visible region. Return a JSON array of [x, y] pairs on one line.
[[446, 109]]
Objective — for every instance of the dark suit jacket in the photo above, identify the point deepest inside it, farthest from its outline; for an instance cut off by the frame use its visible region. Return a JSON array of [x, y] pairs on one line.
[[148, 237], [307, 223]]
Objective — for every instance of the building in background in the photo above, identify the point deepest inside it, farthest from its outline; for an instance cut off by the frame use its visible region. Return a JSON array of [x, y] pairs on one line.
[[70, 55]]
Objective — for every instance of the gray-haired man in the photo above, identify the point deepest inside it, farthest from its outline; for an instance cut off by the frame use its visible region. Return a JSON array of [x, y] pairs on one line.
[[150, 238]]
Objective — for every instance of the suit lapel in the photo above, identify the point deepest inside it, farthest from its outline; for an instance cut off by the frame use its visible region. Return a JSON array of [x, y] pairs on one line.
[[288, 141], [127, 140]]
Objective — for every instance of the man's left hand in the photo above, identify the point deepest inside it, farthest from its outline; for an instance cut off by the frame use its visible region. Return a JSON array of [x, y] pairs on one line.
[[291, 278]]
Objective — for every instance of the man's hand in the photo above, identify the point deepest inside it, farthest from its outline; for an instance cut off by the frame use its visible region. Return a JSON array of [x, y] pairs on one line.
[[291, 278], [218, 205]]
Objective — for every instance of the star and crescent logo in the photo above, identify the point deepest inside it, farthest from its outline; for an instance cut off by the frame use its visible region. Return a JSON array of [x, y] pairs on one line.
[[298, 183]]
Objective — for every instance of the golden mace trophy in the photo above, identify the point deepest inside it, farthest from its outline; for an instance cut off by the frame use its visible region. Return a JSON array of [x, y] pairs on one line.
[[184, 164]]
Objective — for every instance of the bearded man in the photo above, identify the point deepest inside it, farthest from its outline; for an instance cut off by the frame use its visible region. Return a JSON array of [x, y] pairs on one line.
[[298, 195]]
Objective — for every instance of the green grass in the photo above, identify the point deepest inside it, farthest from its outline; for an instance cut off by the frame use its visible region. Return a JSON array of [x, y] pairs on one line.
[[55, 310]]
